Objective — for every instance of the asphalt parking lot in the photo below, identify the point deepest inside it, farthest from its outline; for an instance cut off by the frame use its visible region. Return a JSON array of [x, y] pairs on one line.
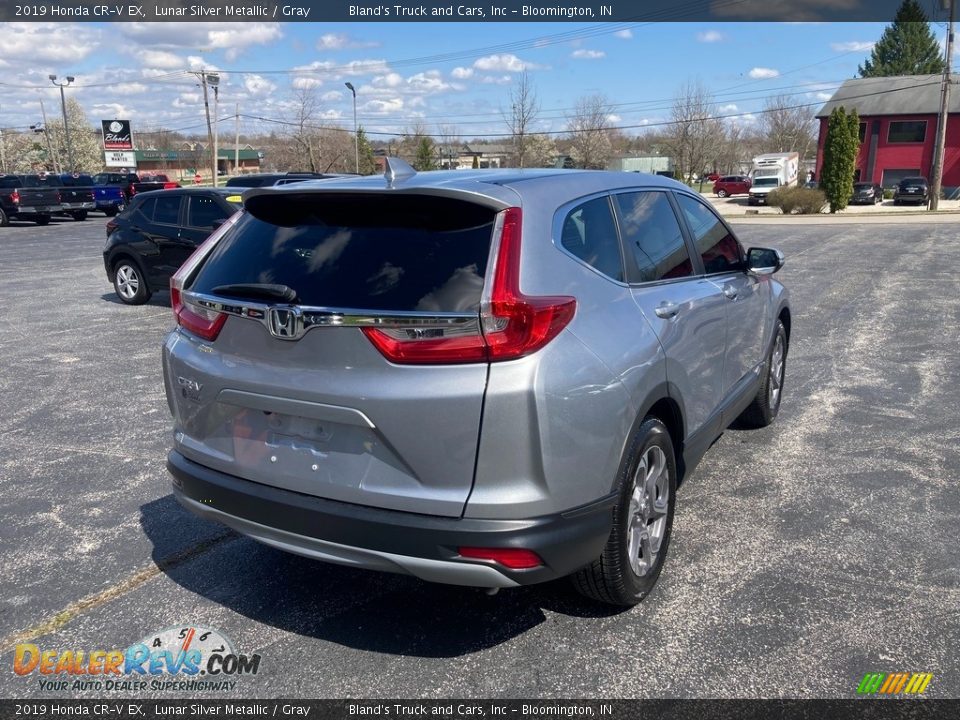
[[804, 555]]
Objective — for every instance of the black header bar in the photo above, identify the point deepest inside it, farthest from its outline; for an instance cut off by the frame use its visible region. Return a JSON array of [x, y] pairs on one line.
[[633, 11]]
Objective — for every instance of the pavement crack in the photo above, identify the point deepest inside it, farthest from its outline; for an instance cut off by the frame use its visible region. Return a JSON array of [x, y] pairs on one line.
[[60, 618]]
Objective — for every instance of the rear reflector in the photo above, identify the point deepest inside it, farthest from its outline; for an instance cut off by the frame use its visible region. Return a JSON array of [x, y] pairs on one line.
[[513, 558], [511, 325]]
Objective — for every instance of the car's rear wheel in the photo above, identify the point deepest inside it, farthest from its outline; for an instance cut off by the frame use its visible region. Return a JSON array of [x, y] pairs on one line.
[[722, 193], [79, 215], [765, 406], [4, 218], [42, 219], [129, 282], [631, 562]]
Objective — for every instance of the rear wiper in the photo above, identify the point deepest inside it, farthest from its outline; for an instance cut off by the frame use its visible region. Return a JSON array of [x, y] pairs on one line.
[[258, 291]]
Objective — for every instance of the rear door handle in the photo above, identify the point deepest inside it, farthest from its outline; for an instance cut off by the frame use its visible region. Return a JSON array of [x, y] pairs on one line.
[[730, 292], [667, 310]]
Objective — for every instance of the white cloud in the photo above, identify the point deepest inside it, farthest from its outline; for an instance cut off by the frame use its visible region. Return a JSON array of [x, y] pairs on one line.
[[390, 80], [258, 85], [233, 38], [48, 42], [334, 41], [824, 96], [428, 82], [128, 88], [614, 118], [382, 107], [852, 46], [306, 83], [461, 73], [762, 73], [161, 59], [624, 34], [332, 96], [507, 62], [728, 108], [496, 80], [588, 54], [709, 36]]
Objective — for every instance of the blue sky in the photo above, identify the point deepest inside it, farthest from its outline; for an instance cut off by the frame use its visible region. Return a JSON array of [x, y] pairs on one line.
[[436, 73]]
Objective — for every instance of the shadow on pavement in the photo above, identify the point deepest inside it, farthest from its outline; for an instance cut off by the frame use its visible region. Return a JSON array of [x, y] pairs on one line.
[[158, 299], [377, 612]]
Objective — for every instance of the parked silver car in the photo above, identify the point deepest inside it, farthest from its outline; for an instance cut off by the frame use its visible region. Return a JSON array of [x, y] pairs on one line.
[[485, 378]]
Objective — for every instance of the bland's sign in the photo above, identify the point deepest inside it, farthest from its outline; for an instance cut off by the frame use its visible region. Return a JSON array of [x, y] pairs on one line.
[[119, 159], [117, 135]]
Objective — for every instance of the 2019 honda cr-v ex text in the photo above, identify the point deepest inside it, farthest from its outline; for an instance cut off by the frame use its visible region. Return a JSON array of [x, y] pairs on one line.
[[487, 378]]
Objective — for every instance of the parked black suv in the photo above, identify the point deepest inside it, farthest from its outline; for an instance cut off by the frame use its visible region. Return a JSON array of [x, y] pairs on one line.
[[267, 179], [913, 190], [149, 241]]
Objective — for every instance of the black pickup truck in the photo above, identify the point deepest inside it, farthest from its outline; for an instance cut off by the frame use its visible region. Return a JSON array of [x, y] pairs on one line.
[[76, 193], [22, 198]]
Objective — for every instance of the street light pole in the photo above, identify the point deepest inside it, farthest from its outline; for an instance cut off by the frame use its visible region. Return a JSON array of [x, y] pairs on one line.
[[214, 82], [66, 123], [356, 137], [940, 149]]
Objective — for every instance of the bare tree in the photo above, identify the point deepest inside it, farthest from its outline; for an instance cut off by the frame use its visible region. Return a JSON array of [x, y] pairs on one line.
[[786, 128], [694, 131], [449, 146], [306, 140], [589, 128], [521, 115]]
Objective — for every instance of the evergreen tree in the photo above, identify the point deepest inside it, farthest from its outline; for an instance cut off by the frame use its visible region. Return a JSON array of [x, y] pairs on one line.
[[424, 160], [368, 166], [907, 47], [840, 157]]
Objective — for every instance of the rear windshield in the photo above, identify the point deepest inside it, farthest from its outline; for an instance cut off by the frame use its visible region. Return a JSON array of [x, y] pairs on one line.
[[251, 181], [32, 181], [914, 181], [10, 182], [394, 253], [109, 178], [78, 181]]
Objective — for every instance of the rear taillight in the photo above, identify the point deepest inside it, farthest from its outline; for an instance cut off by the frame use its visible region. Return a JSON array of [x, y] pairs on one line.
[[15, 197], [511, 324], [513, 558], [170, 185], [200, 321]]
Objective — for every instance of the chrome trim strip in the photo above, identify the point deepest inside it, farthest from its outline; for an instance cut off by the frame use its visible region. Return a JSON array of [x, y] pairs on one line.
[[311, 316]]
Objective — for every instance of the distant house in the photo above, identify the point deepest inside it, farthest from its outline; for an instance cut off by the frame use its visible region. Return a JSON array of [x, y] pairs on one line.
[[651, 164], [193, 156], [898, 127]]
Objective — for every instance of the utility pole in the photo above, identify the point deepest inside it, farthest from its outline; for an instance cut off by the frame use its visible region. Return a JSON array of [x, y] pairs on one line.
[[66, 124], [214, 83], [940, 149], [46, 135], [236, 144], [206, 108], [3, 154]]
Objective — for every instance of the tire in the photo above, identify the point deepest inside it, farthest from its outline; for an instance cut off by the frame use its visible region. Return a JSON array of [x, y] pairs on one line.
[[4, 218], [129, 282], [764, 408], [79, 215], [629, 566], [722, 193], [42, 219]]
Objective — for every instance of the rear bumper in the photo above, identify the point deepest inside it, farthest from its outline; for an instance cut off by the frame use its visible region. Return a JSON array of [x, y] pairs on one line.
[[421, 545]]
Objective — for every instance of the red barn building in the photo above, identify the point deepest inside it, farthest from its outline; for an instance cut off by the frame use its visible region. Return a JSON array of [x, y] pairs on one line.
[[898, 127]]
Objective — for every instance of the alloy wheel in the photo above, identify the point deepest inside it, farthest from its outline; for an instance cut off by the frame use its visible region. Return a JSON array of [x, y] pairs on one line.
[[649, 503]]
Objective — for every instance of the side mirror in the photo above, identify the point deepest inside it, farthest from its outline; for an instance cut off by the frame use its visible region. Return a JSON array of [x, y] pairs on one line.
[[764, 261]]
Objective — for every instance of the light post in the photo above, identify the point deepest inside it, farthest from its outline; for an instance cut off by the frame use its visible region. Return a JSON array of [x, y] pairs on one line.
[[356, 138], [66, 124]]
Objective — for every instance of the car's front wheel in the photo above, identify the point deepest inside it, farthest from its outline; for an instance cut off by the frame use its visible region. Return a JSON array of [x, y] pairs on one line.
[[42, 219], [129, 283], [631, 562], [722, 193], [765, 406]]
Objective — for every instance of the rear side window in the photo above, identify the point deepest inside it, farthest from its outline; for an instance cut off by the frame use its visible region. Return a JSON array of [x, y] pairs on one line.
[[373, 252], [590, 233], [203, 212], [652, 237], [166, 210], [719, 249], [10, 182]]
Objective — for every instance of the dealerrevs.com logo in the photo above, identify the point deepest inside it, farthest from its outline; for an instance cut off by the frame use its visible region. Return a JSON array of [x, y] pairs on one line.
[[182, 658], [894, 683]]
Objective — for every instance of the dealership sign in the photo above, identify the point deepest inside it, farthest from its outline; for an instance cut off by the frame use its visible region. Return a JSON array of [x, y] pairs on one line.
[[119, 159], [117, 135]]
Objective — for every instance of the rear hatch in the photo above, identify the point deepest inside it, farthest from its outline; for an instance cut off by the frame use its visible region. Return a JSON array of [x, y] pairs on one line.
[[293, 365], [40, 194]]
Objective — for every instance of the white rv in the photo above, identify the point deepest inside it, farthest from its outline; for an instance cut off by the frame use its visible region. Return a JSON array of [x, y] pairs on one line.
[[772, 171]]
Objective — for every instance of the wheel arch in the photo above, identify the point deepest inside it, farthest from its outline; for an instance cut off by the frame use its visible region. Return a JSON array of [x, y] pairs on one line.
[[663, 403]]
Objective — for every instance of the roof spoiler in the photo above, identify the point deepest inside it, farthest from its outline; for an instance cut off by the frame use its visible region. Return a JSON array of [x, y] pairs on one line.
[[396, 170]]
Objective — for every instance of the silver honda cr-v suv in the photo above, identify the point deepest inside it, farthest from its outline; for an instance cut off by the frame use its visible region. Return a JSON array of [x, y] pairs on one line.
[[486, 378]]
